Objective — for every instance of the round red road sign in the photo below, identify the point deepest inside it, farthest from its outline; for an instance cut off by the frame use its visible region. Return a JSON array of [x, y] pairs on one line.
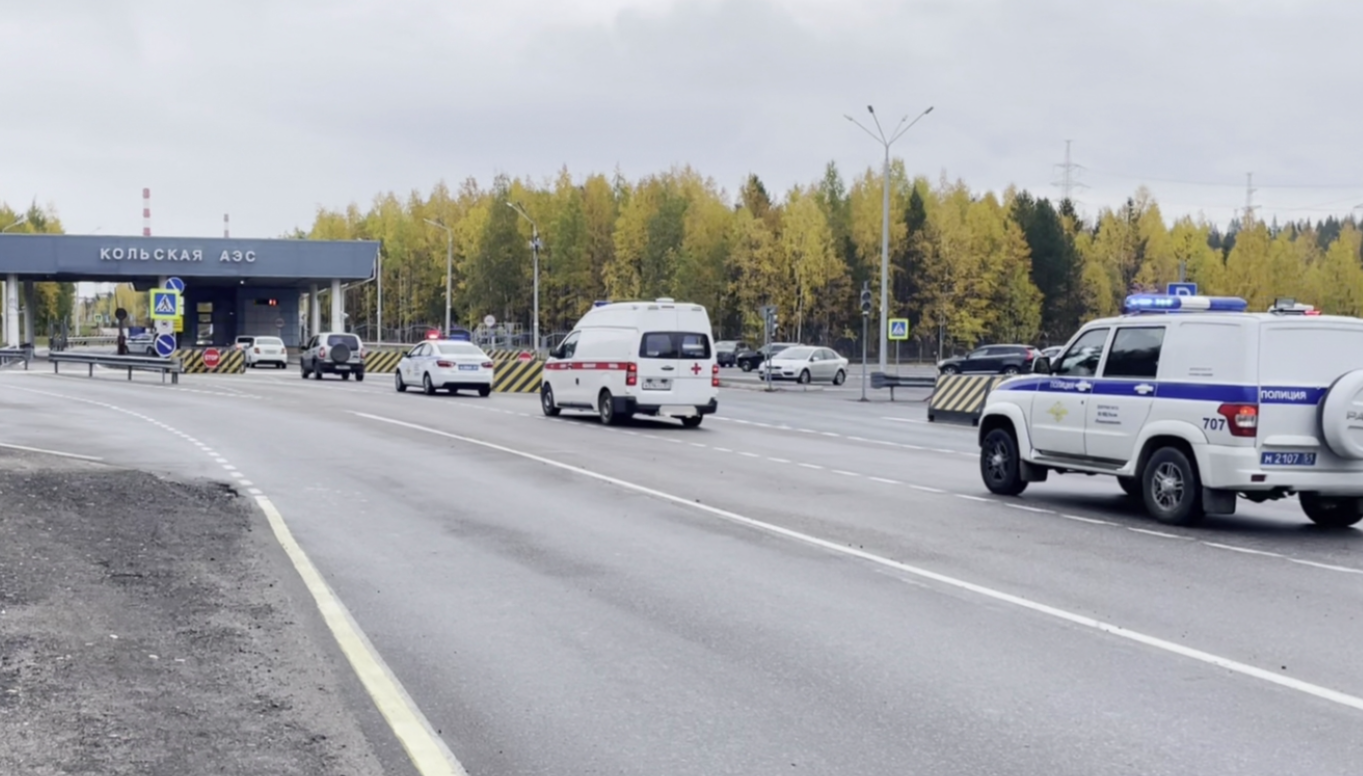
[[526, 356], [211, 358]]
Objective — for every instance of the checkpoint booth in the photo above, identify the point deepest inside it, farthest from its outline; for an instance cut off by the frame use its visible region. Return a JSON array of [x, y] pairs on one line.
[[225, 287]]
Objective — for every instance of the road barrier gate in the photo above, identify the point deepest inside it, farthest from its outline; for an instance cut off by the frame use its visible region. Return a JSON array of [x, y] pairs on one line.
[[961, 398]]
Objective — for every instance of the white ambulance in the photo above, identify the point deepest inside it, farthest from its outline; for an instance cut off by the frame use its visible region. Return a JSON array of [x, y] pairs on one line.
[[635, 358], [1191, 402]]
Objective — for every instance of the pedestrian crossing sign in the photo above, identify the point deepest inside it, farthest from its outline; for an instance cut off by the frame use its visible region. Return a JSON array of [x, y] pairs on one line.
[[165, 304], [899, 329]]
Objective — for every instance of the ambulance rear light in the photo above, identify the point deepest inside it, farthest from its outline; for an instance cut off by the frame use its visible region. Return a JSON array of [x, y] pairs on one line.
[[1242, 420], [714, 375], [1172, 303], [631, 374]]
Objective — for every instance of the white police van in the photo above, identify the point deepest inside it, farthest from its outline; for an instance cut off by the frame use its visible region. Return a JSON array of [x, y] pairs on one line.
[[635, 358], [1190, 401]]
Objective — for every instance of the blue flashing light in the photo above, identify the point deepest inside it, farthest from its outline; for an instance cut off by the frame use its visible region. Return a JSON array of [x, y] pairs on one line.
[[1170, 303], [601, 303]]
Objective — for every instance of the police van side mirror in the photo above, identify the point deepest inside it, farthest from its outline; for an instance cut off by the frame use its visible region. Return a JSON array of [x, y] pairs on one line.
[[1042, 365]]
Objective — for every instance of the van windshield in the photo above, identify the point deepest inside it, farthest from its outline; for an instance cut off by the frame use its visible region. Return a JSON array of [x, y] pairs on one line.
[[674, 345]]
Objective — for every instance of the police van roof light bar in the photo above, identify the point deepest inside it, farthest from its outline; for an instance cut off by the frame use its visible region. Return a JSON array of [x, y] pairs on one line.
[[1171, 303]]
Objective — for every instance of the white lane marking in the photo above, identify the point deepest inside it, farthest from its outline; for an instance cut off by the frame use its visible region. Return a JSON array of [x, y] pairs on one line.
[[255, 491], [969, 497], [229, 467], [1094, 521], [239, 475], [246, 482], [812, 466], [723, 450], [829, 434], [698, 444], [1331, 567], [845, 473], [1307, 688], [750, 455], [1160, 534], [886, 481], [927, 489], [427, 752], [52, 452], [906, 420], [1245, 550], [1026, 508], [778, 460]]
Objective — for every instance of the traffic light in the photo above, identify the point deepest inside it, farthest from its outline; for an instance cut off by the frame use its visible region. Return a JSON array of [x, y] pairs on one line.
[[865, 298]]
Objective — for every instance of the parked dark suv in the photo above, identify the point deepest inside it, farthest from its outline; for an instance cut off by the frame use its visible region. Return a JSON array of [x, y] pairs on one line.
[[726, 351], [992, 360], [748, 360]]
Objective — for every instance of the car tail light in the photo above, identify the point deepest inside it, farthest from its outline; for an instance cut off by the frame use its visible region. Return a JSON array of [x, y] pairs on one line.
[[487, 365], [631, 374], [321, 352], [714, 375], [445, 364], [1242, 420]]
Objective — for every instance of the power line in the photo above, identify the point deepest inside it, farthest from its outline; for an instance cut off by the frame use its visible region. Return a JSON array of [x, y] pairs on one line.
[[1227, 185]]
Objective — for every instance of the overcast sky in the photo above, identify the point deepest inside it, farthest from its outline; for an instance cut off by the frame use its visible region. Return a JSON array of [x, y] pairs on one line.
[[268, 109]]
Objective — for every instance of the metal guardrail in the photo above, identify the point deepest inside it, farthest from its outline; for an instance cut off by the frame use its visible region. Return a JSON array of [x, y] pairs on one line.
[[10, 355], [881, 380], [166, 366]]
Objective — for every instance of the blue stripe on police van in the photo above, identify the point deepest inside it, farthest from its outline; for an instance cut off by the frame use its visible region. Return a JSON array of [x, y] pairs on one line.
[[1217, 392]]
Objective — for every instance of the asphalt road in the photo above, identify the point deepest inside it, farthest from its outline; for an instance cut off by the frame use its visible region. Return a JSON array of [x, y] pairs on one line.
[[806, 583]]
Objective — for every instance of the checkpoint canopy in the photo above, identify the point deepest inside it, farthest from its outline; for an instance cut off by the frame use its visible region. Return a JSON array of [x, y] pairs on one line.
[[231, 286]]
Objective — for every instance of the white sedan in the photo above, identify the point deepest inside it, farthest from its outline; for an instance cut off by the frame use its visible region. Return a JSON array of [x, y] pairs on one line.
[[805, 364], [264, 350], [448, 364]]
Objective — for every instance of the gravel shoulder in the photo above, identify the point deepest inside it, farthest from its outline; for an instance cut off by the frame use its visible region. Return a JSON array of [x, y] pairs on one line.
[[151, 626]]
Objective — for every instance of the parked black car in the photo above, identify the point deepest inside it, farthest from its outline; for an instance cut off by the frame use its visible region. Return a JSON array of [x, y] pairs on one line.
[[749, 360], [992, 360], [726, 351]]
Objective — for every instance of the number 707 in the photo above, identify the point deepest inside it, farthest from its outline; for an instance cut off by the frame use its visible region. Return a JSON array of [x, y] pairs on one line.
[[1214, 424]]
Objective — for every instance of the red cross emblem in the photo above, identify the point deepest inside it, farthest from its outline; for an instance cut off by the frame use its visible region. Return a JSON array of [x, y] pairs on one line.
[[695, 369]]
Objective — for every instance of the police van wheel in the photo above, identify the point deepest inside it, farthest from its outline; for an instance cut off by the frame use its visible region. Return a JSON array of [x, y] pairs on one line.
[[398, 383], [605, 407], [427, 386], [1331, 512], [547, 401], [999, 464], [1171, 488]]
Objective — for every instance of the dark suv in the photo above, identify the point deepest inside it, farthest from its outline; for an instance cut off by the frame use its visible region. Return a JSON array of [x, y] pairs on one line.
[[748, 360], [992, 360], [727, 351], [332, 352]]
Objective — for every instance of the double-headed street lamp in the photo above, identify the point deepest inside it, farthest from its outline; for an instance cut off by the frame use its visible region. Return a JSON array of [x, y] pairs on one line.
[[879, 137], [535, 254], [449, 271], [20, 221]]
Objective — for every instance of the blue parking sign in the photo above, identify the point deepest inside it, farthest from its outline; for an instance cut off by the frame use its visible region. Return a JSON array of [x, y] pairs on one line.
[[1182, 289]]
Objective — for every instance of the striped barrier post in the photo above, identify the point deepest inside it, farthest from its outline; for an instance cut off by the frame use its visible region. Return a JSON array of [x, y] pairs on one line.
[[516, 376], [961, 398], [382, 361], [231, 361]]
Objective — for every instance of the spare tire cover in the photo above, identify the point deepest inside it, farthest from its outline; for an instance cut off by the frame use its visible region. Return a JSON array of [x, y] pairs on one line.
[[340, 353], [1341, 416]]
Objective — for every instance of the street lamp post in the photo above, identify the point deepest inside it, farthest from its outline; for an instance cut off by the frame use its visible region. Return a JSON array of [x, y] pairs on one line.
[[20, 221], [535, 254], [449, 269], [879, 137]]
